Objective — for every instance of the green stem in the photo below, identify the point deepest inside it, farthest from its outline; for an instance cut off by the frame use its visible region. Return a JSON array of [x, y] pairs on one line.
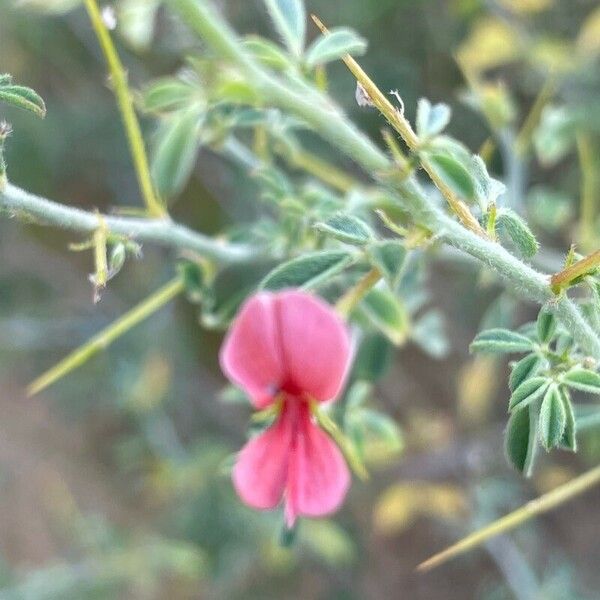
[[525, 135], [107, 336], [355, 294], [589, 190], [333, 125], [532, 509], [322, 170], [125, 101], [164, 232]]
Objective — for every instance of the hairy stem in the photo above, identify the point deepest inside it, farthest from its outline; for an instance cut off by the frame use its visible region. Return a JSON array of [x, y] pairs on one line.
[[21, 204], [125, 101], [333, 125]]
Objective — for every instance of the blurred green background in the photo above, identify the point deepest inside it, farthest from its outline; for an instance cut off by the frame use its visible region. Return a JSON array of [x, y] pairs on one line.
[[113, 483]]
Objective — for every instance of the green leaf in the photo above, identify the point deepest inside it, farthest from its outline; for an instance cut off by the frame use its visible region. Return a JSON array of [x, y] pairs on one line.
[[50, 6], [167, 95], [136, 20], [527, 392], [175, 154], [387, 313], [328, 541], [584, 380], [429, 334], [501, 341], [569, 437], [373, 358], [452, 172], [23, 97], [431, 120], [388, 256], [520, 442], [546, 326], [347, 228], [289, 18], [230, 288], [5, 79], [337, 43], [308, 271], [524, 369], [553, 418], [267, 52], [549, 209], [518, 231], [555, 135]]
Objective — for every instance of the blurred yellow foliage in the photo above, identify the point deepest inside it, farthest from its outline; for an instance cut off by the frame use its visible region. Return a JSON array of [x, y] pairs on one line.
[[152, 384], [588, 41], [526, 6], [490, 44], [401, 504], [477, 385]]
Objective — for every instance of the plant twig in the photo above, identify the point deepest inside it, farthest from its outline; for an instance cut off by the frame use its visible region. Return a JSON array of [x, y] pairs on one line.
[[107, 336], [564, 278], [523, 139], [398, 121], [590, 187], [532, 509], [125, 101], [355, 294], [21, 204]]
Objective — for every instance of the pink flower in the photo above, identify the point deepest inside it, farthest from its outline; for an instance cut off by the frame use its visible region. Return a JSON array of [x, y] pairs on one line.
[[287, 349]]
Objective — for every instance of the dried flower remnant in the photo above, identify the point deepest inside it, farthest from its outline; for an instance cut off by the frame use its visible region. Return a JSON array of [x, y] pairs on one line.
[[288, 351]]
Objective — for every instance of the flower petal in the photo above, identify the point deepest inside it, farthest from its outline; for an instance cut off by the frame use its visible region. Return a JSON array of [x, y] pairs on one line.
[[260, 473], [318, 477], [251, 355], [315, 344]]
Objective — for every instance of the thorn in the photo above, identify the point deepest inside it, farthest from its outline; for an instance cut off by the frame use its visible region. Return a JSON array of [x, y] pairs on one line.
[[319, 24]]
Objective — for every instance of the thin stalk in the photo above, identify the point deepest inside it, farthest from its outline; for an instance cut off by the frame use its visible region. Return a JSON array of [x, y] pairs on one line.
[[525, 135], [107, 336], [564, 278], [355, 294], [396, 119], [532, 509], [124, 98], [589, 190], [321, 169], [18, 203]]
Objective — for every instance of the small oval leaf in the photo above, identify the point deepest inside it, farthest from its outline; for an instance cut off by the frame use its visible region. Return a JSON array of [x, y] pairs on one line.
[[337, 43], [388, 256], [23, 97], [524, 369], [308, 271], [387, 313], [347, 228], [518, 231], [175, 154], [453, 174], [431, 120], [289, 18], [553, 418], [527, 392], [520, 442], [584, 380], [546, 326], [501, 341]]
